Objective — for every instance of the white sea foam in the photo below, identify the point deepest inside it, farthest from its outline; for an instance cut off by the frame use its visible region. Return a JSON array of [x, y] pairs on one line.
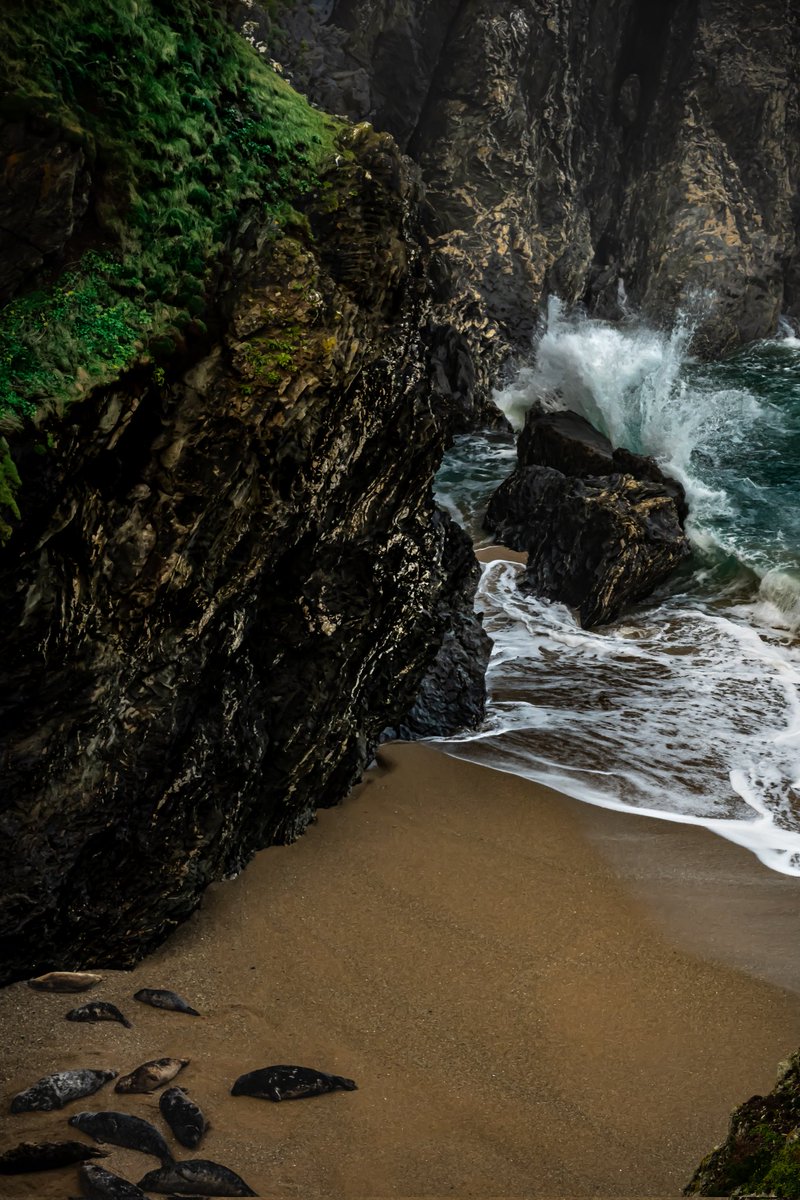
[[689, 708], [675, 713]]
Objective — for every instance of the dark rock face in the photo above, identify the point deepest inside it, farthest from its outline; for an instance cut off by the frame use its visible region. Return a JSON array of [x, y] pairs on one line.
[[569, 146], [761, 1154], [43, 198], [453, 692], [602, 527], [229, 581]]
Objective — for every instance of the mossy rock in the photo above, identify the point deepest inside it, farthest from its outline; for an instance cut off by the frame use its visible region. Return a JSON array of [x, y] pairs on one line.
[[187, 128], [761, 1154]]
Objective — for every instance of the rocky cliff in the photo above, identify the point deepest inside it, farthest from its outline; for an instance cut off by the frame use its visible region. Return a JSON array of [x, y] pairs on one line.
[[223, 573], [579, 149], [238, 333]]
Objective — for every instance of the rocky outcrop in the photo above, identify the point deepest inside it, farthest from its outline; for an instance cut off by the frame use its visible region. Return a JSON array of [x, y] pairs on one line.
[[43, 198], [577, 149], [452, 693], [229, 578], [761, 1154], [601, 527]]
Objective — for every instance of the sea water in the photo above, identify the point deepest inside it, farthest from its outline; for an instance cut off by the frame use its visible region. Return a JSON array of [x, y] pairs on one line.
[[687, 708]]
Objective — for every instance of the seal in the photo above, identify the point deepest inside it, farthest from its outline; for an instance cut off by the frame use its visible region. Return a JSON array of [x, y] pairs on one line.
[[161, 998], [64, 981], [45, 1156], [289, 1083], [99, 1184], [184, 1117], [54, 1091], [151, 1075], [98, 1010], [121, 1129], [196, 1177]]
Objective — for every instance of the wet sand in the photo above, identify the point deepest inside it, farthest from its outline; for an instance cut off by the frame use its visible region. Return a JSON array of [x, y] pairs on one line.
[[505, 973]]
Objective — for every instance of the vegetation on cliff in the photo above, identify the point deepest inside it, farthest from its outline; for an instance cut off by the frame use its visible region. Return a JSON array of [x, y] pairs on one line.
[[181, 127], [761, 1154]]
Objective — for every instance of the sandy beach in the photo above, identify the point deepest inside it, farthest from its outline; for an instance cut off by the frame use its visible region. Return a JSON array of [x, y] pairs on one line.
[[534, 997]]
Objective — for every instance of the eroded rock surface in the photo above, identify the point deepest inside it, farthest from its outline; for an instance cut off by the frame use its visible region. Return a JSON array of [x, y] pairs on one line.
[[568, 148], [230, 579], [601, 527]]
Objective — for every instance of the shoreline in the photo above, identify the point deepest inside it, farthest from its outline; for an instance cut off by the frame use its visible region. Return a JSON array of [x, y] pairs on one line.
[[526, 990]]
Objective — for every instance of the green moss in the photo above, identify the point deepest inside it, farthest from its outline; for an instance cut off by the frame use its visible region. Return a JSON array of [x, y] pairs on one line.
[[83, 322], [783, 1177], [9, 485], [184, 127], [268, 359]]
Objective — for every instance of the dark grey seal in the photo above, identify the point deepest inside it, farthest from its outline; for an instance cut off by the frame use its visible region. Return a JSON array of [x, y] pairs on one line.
[[151, 1075], [121, 1129], [184, 1117], [98, 1010], [54, 1091], [289, 1083], [161, 998], [45, 1156], [99, 1184], [196, 1177], [64, 981]]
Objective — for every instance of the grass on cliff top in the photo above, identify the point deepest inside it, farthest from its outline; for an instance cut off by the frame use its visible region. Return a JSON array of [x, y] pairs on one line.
[[184, 128]]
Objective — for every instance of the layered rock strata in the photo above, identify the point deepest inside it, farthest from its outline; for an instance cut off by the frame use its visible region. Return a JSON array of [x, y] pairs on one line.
[[229, 579], [601, 527], [629, 147]]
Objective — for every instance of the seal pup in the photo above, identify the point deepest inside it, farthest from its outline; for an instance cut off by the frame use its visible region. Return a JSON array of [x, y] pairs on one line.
[[46, 1156], [98, 1010], [54, 1091], [184, 1117], [64, 981], [121, 1129], [289, 1083], [99, 1184], [161, 998], [198, 1177], [151, 1075]]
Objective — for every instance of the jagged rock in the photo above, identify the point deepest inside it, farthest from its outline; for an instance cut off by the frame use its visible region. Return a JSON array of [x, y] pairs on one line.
[[567, 442], [230, 578], [566, 147], [453, 692], [761, 1154], [602, 527]]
